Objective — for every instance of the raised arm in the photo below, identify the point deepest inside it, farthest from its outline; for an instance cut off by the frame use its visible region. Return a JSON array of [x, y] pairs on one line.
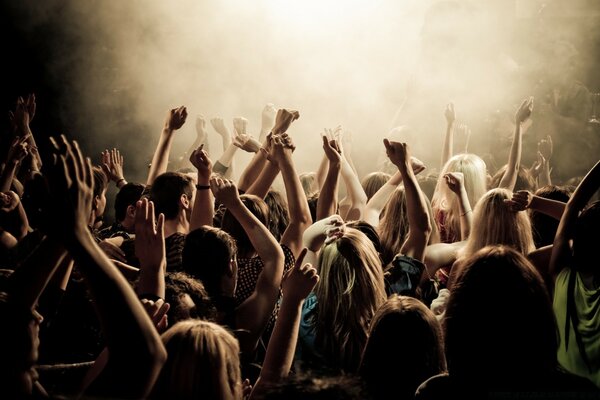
[[16, 154], [136, 353], [378, 201], [174, 120], [561, 250], [315, 235], [456, 183], [253, 314], [509, 179], [11, 203], [255, 167], [300, 217], [203, 211], [447, 150], [268, 115], [524, 199], [327, 202], [112, 165], [418, 217], [296, 286], [150, 250]]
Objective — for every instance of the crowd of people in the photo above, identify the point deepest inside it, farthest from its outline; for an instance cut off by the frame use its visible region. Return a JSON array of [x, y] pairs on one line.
[[211, 283]]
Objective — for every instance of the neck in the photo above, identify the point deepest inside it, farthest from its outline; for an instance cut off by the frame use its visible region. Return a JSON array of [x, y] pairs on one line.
[[178, 224]]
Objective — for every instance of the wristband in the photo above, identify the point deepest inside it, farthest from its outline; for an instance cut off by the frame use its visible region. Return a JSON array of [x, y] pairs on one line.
[[202, 187]]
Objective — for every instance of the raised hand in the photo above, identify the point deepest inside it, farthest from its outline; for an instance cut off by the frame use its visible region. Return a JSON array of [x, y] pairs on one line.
[[545, 147], [149, 236], [299, 281], [201, 131], [239, 125], [284, 119], [281, 149], [246, 143], [397, 152], [157, 311], [71, 181], [18, 150], [268, 118], [520, 200], [464, 131], [450, 114], [524, 110], [455, 181], [112, 165], [332, 150], [225, 192], [219, 126], [417, 165], [31, 106], [9, 201], [175, 118], [199, 159]]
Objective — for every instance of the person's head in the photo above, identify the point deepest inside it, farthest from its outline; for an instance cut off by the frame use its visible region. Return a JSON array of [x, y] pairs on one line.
[[19, 342], [173, 194], [543, 226], [373, 182], [393, 224], [368, 230], [125, 202], [188, 298], [202, 363], [587, 238], [525, 180], [99, 201], [279, 217], [499, 320], [404, 348], [351, 288], [474, 171], [495, 223], [229, 224], [209, 254], [309, 184]]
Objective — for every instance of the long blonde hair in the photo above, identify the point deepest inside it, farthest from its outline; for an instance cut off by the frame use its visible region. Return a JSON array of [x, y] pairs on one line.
[[393, 225], [475, 174], [494, 223], [349, 292], [203, 362]]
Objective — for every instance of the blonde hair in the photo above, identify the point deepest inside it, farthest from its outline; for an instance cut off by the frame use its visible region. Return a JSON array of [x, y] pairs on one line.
[[475, 174], [393, 225], [373, 182], [349, 292], [494, 223], [309, 184], [203, 362]]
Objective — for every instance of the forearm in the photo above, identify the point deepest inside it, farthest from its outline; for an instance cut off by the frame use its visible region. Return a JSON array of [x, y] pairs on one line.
[[358, 198], [262, 240], [552, 208], [23, 221], [8, 174], [416, 206], [448, 145], [152, 280], [263, 183], [322, 172], [297, 203], [227, 156], [252, 171], [327, 201], [314, 236], [378, 201], [509, 179], [203, 211], [160, 159], [466, 214]]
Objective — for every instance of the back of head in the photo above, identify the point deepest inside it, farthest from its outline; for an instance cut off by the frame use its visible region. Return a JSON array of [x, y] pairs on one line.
[[309, 184], [543, 226], [373, 182], [188, 298], [307, 386], [167, 190], [525, 180], [206, 256], [350, 289], [499, 322], [279, 217], [368, 230], [203, 362], [229, 224], [404, 348], [127, 196], [495, 223]]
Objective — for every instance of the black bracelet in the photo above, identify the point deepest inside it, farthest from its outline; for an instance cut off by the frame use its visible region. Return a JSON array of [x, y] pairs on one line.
[[202, 187]]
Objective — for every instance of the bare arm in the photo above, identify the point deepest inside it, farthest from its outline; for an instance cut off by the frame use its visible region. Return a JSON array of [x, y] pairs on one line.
[[418, 217], [150, 249], [203, 211], [447, 150], [456, 183], [254, 168], [524, 199], [509, 179], [327, 202], [174, 120]]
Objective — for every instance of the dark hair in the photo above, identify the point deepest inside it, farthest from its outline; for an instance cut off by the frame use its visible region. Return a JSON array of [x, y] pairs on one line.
[[166, 191], [206, 255], [177, 286], [369, 230], [100, 180], [543, 226], [279, 217], [525, 180], [312, 206], [499, 322], [127, 196], [229, 224]]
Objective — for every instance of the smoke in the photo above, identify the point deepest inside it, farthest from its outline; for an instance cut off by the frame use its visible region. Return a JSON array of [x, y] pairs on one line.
[[367, 65]]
